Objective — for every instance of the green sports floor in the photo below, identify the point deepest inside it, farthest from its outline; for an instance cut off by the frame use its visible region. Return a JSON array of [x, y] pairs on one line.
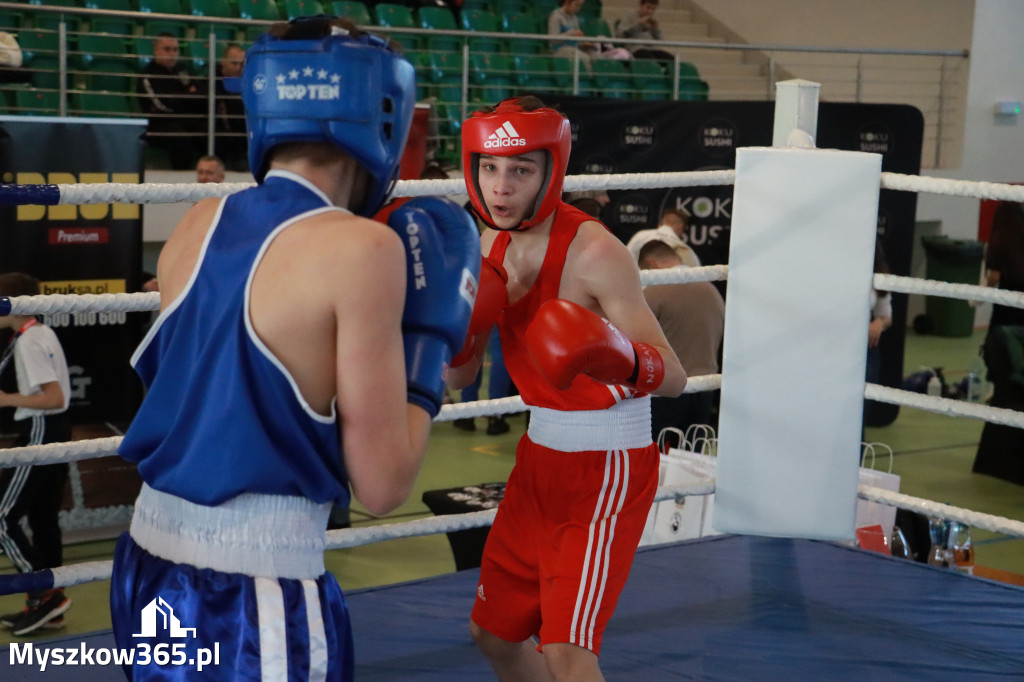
[[933, 456]]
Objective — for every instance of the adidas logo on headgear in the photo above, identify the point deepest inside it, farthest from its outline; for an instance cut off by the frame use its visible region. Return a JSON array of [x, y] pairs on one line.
[[504, 136]]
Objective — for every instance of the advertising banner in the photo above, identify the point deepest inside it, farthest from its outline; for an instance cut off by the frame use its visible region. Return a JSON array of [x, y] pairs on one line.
[[80, 249], [612, 136]]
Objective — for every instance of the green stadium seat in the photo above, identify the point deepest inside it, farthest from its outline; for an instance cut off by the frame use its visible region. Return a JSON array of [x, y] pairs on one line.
[[421, 63], [353, 10], [36, 102], [650, 82], [476, 20], [391, 15], [302, 8], [101, 103], [591, 9], [113, 5], [491, 78], [105, 60], [11, 21], [210, 8], [263, 10], [161, 6], [595, 26], [533, 73], [121, 27], [445, 68], [152, 29], [214, 8], [481, 5], [613, 78], [523, 22], [439, 19], [196, 53], [692, 88]]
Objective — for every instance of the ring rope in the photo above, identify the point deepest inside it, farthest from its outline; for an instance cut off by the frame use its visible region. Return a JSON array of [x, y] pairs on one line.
[[945, 406], [165, 193], [953, 188], [76, 574], [931, 287], [73, 451], [51, 304]]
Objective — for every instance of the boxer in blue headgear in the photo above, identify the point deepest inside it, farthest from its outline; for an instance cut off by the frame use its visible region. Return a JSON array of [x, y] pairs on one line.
[[326, 83], [297, 362]]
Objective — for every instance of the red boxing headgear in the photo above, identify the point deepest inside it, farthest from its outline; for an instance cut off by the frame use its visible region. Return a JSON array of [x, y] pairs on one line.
[[510, 130]]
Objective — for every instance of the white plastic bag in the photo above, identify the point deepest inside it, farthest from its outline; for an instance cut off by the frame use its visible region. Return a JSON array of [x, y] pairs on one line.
[[872, 513], [690, 516]]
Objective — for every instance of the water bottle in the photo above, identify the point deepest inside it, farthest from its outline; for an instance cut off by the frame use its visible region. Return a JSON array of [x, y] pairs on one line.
[[974, 383], [934, 385], [940, 554], [962, 547]]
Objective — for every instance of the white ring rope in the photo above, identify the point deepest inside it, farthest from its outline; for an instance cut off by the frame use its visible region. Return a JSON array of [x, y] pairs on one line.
[[953, 188], [157, 193], [945, 406], [990, 522], [931, 287], [73, 451], [76, 574], [143, 302]]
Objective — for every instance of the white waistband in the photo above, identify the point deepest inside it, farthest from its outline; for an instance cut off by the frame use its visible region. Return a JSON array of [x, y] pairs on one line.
[[275, 536], [622, 426]]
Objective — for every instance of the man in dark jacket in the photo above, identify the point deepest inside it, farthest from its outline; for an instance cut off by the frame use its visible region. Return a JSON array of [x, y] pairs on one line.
[[171, 97]]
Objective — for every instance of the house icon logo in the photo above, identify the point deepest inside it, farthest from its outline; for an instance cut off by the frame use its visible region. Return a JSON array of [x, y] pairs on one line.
[[159, 610]]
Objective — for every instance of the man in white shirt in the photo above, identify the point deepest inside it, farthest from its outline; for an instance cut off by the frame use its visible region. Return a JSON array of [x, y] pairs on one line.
[[34, 492], [670, 231]]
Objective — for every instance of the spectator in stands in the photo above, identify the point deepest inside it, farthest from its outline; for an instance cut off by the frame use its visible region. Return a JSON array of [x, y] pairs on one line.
[[692, 316], [565, 21], [170, 96], [210, 169], [1004, 259], [670, 230], [231, 141], [641, 24], [11, 60]]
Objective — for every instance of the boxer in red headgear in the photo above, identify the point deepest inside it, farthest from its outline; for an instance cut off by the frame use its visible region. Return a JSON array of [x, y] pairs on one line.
[[585, 352]]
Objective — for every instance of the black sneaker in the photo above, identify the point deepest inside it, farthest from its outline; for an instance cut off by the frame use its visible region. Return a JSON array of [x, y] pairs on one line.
[[48, 608], [8, 620], [497, 426], [468, 424]]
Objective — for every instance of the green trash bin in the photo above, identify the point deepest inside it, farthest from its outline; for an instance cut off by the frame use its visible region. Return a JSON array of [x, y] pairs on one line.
[[957, 261]]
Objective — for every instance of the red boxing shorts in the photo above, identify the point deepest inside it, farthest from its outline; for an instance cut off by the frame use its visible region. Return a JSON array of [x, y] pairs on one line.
[[562, 543]]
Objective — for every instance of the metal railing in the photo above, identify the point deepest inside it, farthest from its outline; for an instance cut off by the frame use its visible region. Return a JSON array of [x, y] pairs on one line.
[[471, 70]]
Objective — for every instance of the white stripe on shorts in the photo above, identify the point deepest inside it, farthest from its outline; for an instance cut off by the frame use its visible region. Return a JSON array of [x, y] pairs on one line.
[[273, 644], [317, 636]]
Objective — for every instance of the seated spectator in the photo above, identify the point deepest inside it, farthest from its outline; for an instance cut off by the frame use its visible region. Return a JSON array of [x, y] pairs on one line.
[[670, 230], [10, 61], [692, 316], [565, 21], [171, 97], [232, 144], [641, 24]]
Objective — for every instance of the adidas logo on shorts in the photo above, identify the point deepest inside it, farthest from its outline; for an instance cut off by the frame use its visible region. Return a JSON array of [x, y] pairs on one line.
[[504, 136]]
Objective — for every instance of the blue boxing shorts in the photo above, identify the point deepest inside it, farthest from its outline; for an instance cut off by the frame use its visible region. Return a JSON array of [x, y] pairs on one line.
[[182, 621]]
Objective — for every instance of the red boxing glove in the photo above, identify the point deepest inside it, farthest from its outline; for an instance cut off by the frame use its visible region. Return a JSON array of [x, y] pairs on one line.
[[565, 340], [491, 299]]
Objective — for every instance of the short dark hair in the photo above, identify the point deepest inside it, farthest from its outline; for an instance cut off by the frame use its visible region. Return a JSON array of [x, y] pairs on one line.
[[527, 102], [18, 284], [676, 212], [655, 250]]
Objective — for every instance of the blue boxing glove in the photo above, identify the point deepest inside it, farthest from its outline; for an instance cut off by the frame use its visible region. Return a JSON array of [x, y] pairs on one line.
[[442, 255]]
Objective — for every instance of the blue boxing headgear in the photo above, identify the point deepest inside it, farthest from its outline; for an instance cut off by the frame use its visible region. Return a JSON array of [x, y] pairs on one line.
[[351, 92]]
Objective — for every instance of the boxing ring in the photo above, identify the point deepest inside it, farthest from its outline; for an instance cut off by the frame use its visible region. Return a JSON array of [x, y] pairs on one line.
[[736, 606]]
